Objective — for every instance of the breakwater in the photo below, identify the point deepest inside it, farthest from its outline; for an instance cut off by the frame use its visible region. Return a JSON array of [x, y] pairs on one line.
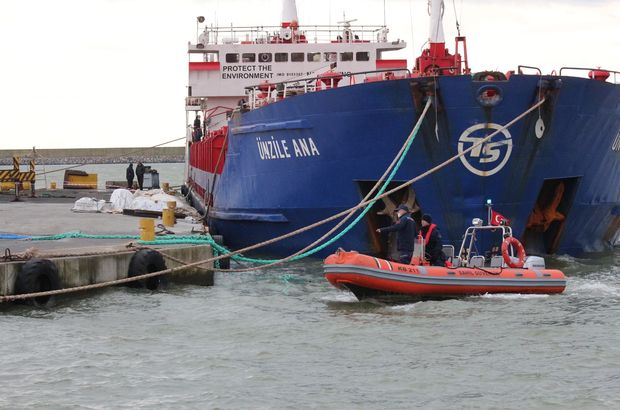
[[72, 156]]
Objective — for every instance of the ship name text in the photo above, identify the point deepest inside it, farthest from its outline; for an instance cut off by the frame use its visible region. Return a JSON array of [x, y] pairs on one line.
[[282, 149]]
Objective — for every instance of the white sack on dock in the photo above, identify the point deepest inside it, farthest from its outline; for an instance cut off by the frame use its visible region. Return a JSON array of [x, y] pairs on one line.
[[121, 199], [86, 204]]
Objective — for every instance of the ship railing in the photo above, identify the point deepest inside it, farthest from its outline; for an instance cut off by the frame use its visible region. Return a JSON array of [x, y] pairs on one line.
[[265, 93], [616, 74], [529, 67], [305, 34]]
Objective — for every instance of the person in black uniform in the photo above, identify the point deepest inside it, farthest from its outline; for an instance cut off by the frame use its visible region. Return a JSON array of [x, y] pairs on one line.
[[197, 132], [432, 242], [406, 229], [129, 174], [140, 174]]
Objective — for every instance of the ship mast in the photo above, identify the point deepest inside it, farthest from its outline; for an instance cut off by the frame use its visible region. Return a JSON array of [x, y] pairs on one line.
[[436, 35], [289, 14], [436, 59], [290, 23]]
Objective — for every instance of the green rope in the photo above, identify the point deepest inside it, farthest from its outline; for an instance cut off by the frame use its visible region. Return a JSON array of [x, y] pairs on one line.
[[219, 249], [310, 252]]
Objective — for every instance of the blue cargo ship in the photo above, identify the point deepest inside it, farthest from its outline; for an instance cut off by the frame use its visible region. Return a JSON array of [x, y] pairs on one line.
[[277, 143]]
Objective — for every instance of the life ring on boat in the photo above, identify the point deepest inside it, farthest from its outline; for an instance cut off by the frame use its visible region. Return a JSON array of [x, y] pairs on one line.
[[511, 240], [37, 275], [147, 261]]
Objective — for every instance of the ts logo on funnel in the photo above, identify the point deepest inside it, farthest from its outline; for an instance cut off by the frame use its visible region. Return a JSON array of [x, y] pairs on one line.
[[488, 158]]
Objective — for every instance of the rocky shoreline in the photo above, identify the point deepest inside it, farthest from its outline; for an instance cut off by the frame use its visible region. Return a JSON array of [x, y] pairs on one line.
[[72, 156], [99, 160]]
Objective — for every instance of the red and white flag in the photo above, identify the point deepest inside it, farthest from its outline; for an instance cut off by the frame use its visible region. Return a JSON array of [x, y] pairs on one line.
[[498, 219]]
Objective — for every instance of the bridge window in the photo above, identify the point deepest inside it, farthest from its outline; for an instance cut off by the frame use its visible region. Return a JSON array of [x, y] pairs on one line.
[[232, 58], [297, 57], [281, 57], [329, 57], [314, 57], [346, 56], [265, 57], [362, 56], [211, 56], [248, 58]]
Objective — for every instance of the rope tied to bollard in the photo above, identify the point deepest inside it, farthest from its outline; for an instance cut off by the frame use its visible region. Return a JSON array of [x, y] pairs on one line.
[[230, 254]]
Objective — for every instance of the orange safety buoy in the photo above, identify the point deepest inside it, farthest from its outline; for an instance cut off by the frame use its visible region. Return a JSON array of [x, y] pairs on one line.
[[520, 252]]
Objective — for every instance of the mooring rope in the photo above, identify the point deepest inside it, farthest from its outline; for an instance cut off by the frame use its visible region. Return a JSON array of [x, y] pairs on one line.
[[281, 237], [383, 182]]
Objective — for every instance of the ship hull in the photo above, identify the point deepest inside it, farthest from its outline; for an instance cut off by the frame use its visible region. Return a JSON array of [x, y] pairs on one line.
[[300, 160]]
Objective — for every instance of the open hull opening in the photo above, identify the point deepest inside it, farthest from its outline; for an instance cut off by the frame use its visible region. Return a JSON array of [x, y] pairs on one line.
[[546, 222], [383, 214]]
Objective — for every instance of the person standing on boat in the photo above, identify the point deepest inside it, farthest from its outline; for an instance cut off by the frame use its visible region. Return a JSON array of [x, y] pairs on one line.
[[406, 229], [129, 174], [432, 242], [140, 174]]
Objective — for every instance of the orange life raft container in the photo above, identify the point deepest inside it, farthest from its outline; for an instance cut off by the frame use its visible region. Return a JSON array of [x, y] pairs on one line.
[[370, 277]]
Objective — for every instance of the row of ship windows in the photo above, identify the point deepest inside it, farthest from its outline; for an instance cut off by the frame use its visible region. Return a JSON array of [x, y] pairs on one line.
[[295, 57]]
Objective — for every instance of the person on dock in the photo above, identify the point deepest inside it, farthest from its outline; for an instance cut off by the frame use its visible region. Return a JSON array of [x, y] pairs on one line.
[[432, 242], [129, 174], [406, 229], [140, 174]]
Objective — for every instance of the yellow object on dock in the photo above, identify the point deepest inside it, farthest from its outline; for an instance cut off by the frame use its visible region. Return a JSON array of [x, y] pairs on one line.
[[9, 186], [53, 185], [168, 217], [79, 180], [166, 187], [171, 204], [147, 229]]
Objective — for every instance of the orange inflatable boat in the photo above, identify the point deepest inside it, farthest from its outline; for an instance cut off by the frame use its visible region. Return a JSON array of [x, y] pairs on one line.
[[380, 279]]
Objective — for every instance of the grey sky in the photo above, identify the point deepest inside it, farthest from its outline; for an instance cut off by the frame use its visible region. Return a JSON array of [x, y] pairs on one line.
[[95, 73]]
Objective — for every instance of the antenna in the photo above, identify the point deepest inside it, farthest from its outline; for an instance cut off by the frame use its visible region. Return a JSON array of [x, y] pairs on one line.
[[345, 22], [384, 24]]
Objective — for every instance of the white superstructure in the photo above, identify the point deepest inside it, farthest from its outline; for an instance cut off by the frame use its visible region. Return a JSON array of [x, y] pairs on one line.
[[224, 61]]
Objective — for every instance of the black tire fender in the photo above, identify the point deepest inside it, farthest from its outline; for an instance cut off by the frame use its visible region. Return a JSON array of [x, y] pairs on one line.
[[147, 261], [37, 275]]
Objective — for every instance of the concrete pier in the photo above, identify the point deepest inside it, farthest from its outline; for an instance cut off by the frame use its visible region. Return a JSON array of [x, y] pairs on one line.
[[87, 261]]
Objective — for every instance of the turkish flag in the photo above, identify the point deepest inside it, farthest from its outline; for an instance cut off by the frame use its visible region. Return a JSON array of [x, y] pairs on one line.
[[498, 219]]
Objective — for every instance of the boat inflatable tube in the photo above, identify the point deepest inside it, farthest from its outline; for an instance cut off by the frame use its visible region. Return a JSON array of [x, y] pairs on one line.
[[37, 275], [520, 252], [147, 261]]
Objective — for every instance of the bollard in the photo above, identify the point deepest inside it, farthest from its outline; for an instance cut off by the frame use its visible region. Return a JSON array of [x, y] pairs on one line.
[[53, 185], [147, 229], [168, 217], [166, 187]]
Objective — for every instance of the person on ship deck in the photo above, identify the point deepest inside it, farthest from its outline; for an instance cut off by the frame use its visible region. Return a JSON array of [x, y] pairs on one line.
[[197, 131]]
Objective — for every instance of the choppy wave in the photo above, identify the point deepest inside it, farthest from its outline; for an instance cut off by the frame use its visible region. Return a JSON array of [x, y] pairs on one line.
[[513, 296]]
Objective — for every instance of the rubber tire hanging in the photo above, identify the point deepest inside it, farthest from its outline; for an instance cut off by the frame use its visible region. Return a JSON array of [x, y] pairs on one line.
[[147, 261], [37, 275]]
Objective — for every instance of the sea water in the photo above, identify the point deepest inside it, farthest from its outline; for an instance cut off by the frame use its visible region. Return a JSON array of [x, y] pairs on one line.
[[286, 339]]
